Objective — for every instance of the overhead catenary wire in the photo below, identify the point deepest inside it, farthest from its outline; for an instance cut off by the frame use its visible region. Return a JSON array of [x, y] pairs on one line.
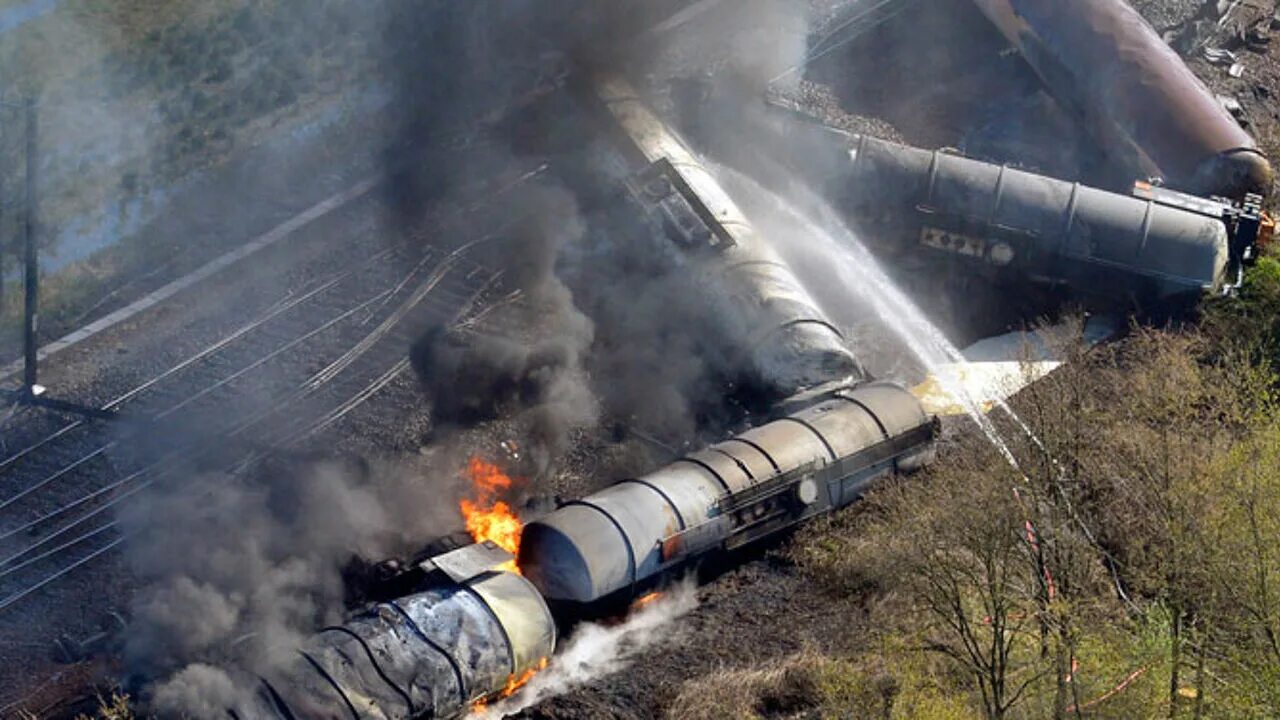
[[101, 450], [818, 51], [272, 313], [17, 597], [169, 457], [177, 453]]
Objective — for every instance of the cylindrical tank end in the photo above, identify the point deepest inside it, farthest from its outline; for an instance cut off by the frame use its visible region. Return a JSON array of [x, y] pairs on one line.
[[1234, 174], [561, 568], [804, 355]]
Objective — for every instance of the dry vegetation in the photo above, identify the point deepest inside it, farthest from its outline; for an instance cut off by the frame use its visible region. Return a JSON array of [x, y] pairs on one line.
[[113, 707], [138, 98], [1128, 568]]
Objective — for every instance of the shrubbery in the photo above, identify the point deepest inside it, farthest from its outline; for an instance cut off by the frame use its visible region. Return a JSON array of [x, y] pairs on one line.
[[1128, 568]]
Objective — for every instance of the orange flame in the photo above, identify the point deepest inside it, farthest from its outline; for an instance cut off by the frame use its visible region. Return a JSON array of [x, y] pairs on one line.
[[487, 517], [514, 683], [646, 599]]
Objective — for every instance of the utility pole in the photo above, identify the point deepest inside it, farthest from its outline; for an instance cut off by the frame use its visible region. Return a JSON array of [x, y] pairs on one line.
[[31, 392], [4, 201], [31, 280]]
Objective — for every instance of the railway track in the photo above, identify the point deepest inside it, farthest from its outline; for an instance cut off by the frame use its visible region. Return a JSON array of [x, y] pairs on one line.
[[192, 415], [203, 402], [293, 370]]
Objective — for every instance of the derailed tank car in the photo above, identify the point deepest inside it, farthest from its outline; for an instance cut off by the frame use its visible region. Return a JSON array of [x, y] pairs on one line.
[[473, 629], [1152, 244], [1102, 61], [749, 487], [470, 632], [788, 340]]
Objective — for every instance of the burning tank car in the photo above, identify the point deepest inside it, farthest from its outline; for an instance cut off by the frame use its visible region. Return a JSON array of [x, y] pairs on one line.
[[472, 628]]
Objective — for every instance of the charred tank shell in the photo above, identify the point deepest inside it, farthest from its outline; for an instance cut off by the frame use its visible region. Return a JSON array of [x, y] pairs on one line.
[[749, 487], [430, 654], [1107, 65]]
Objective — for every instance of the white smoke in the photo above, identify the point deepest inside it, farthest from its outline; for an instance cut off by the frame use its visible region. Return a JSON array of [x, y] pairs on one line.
[[599, 649]]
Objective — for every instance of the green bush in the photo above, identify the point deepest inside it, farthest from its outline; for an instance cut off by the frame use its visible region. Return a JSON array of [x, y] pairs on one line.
[[1250, 320]]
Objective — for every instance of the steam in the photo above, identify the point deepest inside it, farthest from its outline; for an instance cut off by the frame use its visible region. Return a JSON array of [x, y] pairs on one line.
[[596, 650], [824, 244]]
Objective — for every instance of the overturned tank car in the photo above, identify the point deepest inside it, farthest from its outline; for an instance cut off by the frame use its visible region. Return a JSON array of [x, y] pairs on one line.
[[1149, 245], [1102, 61], [473, 628]]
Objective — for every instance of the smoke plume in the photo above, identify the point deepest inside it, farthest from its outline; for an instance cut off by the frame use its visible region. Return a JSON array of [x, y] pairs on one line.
[[535, 373], [235, 572]]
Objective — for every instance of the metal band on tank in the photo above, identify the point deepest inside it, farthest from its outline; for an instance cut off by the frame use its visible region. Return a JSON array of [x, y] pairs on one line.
[[935, 162], [329, 679], [758, 263], [813, 321], [999, 195], [765, 339], [709, 469], [662, 494], [374, 662], [741, 465], [511, 646], [626, 541], [1069, 222], [758, 449], [858, 152], [449, 658], [277, 702], [1147, 218], [830, 450], [875, 418]]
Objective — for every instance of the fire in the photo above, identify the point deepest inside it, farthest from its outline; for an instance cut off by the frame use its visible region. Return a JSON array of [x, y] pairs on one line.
[[487, 517], [646, 599], [514, 683]]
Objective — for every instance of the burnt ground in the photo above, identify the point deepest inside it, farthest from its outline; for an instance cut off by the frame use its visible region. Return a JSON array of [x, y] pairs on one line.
[[760, 610]]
